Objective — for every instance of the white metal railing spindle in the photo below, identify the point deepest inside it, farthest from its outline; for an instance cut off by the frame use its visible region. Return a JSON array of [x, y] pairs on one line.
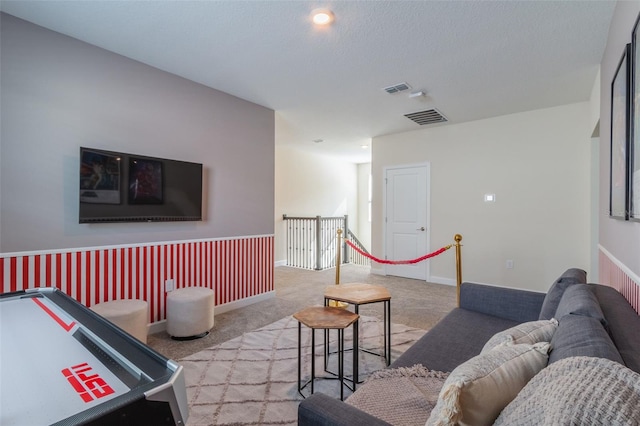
[[311, 242]]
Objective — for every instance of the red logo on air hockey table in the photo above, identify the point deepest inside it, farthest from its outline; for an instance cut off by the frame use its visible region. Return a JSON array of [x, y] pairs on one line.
[[89, 386]]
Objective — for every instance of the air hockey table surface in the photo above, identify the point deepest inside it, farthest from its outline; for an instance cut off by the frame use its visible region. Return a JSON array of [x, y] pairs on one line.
[[61, 363]]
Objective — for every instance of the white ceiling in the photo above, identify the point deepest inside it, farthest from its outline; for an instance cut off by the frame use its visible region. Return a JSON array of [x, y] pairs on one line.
[[474, 59]]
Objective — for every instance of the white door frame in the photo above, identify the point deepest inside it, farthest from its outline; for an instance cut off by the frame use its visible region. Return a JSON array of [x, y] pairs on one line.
[[385, 171]]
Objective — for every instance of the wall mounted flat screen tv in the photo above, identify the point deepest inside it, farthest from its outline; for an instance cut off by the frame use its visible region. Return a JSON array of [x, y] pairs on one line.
[[120, 187]]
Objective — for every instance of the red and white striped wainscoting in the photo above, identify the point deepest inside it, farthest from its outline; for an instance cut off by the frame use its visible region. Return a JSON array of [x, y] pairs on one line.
[[235, 268], [613, 273]]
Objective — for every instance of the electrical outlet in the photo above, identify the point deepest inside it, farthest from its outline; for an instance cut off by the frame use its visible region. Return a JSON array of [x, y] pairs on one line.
[[509, 264], [169, 285]]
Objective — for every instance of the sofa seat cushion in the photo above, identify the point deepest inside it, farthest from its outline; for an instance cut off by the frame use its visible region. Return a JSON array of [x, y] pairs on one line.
[[477, 391], [577, 391], [580, 300], [528, 332], [582, 336], [400, 396], [464, 330], [552, 299]]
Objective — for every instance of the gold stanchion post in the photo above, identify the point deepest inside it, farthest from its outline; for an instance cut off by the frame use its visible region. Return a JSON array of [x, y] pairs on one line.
[[335, 303], [338, 249], [457, 239]]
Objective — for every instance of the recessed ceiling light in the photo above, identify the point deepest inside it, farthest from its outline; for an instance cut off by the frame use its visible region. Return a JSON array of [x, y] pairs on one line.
[[322, 16], [363, 146]]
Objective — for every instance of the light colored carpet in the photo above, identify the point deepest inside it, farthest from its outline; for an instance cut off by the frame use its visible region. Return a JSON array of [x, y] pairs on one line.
[[252, 379], [415, 303]]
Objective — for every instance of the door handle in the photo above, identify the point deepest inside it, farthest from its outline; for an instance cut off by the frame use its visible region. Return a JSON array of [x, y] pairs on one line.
[[420, 229]]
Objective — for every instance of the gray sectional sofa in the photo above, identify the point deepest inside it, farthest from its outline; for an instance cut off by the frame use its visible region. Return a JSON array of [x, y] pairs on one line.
[[593, 321]]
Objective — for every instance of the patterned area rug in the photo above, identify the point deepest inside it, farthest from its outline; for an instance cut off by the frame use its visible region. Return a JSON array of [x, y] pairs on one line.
[[252, 379]]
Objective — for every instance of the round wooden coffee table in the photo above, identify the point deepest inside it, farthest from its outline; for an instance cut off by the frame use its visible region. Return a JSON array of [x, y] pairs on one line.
[[361, 294], [327, 318]]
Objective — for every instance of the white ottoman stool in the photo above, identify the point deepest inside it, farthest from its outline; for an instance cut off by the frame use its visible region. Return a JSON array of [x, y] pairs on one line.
[[190, 312], [128, 314]]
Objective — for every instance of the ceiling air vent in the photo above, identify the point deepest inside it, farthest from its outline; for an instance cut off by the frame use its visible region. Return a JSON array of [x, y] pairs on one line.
[[430, 116], [400, 87]]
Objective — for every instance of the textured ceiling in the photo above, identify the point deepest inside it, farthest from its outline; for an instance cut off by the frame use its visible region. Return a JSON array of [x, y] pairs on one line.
[[473, 59]]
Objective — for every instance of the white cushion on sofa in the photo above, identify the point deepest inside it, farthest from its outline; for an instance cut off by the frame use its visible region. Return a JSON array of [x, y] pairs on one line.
[[528, 332], [478, 390], [578, 391]]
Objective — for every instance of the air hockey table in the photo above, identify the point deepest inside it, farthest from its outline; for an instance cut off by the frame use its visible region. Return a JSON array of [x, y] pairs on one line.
[[62, 364]]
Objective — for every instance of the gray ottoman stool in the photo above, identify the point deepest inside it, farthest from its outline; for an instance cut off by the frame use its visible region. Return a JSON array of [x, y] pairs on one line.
[[131, 315], [190, 312]]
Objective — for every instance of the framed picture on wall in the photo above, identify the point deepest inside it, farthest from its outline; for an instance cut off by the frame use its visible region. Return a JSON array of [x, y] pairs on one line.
[[620, 124], [99, 177], [634, 145], [145, 181]]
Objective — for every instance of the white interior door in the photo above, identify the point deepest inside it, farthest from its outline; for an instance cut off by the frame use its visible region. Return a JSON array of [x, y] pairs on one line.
[[406, 220]]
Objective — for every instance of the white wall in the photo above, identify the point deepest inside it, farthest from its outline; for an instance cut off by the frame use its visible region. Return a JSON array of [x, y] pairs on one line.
[[311, 185], [594, 104], [58, 94], [364, 224], [537, 163], [594, 177], [620, 238]]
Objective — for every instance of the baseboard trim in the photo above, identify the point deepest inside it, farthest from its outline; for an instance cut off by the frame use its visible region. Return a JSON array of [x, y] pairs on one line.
[[432, 279], [221, 309], [280, 263], [377, 271], [160, 326], [442, 280]]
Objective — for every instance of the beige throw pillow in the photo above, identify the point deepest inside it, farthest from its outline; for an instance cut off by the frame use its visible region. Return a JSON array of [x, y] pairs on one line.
[[528, 332], [476, 392]]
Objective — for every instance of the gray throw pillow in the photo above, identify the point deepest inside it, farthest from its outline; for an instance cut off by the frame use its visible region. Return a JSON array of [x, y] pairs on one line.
[[552, 299]]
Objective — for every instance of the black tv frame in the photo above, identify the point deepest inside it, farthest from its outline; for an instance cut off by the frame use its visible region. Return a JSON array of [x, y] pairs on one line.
[[123, 187]]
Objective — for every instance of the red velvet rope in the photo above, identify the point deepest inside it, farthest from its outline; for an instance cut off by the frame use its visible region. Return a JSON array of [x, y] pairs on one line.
[[398, 262]]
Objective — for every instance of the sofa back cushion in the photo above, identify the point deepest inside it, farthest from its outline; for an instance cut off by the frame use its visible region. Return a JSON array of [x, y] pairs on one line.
[[624, 324], [552, 299], [509, 303], [579, 335], [578, 299]]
